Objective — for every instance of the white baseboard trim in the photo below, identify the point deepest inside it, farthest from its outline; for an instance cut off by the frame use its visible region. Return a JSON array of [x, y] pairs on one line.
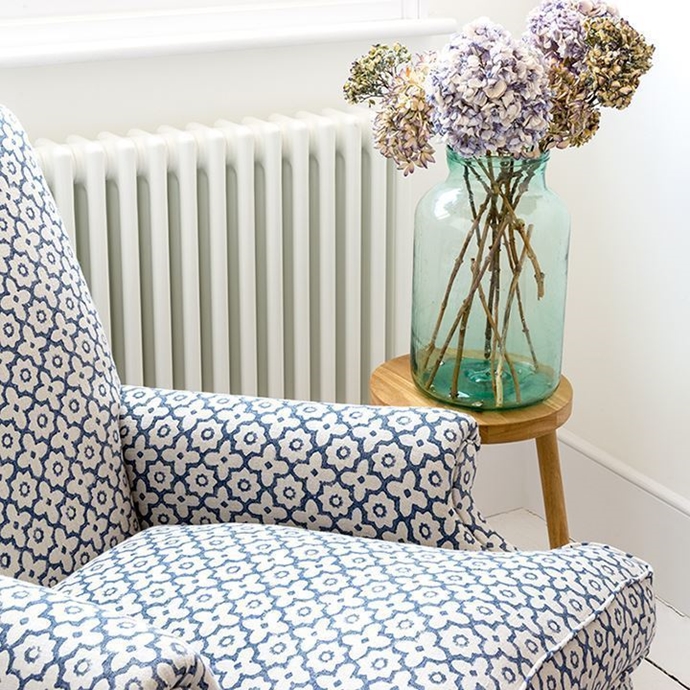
[[629, 474], [607, 501], [610, 502]]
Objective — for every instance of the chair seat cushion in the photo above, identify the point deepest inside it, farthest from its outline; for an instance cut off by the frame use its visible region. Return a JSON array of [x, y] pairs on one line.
[[274, 606]]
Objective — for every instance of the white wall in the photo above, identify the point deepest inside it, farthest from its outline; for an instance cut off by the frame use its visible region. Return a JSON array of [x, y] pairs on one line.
[[115, 95], [628, 315], [511, 15]]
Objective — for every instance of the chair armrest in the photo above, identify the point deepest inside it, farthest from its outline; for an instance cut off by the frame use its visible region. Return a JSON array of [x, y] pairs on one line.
[[401, 474], [49, 640]]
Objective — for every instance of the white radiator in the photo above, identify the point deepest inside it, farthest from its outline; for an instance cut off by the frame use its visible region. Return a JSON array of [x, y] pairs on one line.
[[255, 257]]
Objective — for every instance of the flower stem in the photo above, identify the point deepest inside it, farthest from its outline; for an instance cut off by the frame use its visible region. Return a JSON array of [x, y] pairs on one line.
[[464, 311], [499, 345], [453, 274], [516, 264]]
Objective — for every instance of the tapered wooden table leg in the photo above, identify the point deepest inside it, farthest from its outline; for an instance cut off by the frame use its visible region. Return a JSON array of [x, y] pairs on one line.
[[552, 489]]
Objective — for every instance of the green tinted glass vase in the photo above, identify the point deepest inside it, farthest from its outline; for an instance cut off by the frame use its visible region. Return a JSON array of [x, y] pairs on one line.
[[489, 284]]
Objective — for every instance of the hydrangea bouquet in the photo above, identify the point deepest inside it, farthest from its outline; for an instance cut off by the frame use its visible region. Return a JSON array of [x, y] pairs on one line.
[[503, 103]]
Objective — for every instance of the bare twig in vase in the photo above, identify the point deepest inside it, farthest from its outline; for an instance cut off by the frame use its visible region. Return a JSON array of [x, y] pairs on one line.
[[451, 280], [463, 312]]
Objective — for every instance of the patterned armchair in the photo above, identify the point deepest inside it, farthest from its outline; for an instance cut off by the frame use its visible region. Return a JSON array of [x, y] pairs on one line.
[[156, 539]]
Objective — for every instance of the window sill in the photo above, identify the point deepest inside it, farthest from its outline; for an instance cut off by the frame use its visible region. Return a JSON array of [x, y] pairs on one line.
[[84, 39]]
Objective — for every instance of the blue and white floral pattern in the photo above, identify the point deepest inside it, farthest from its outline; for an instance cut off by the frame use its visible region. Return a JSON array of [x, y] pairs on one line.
[[64, 496], [191, 604], [281, 607], [49, 641], [391, 473]]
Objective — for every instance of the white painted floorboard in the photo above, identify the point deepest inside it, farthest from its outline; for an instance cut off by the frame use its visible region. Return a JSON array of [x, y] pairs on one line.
[[671, 645], [648, 677], [668, 667]]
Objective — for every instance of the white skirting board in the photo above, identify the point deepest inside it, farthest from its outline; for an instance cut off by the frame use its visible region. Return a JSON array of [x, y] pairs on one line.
[[610, 502], [607, 501]]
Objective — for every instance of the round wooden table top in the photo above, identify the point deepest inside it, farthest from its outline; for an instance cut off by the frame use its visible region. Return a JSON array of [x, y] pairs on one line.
[[392, 384]]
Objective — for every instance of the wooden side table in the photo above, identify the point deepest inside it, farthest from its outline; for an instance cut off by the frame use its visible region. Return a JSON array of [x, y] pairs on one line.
[[392, 384]]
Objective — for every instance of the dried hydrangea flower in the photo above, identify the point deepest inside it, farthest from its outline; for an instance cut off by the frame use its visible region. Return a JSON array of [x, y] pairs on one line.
[[490, 93], [618, 56], [556, 28], [402, 127], [575, 114], [597, 8], [596, 59], [371, 74]]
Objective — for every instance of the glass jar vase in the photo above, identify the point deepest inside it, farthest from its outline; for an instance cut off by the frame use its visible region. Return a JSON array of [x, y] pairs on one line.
[[489, 284]]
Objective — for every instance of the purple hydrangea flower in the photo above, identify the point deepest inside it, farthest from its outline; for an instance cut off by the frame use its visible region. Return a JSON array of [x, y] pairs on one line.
[[597, 8], [490, 93], [556, 28]]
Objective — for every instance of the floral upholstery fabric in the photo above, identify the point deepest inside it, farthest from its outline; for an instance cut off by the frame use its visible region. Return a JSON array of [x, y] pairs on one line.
[[64, 496], [280, 607], [48, 641], [391, 473], [189, 604]]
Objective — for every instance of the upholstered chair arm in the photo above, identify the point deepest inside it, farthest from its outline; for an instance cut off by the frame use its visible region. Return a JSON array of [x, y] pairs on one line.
[[49, 640], [400, 474]]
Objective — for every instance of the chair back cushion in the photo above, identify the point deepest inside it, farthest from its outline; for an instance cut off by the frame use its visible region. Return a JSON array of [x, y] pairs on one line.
[[64, 495]]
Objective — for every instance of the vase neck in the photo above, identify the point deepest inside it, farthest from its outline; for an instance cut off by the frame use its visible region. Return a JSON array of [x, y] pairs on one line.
[[487, 168]]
